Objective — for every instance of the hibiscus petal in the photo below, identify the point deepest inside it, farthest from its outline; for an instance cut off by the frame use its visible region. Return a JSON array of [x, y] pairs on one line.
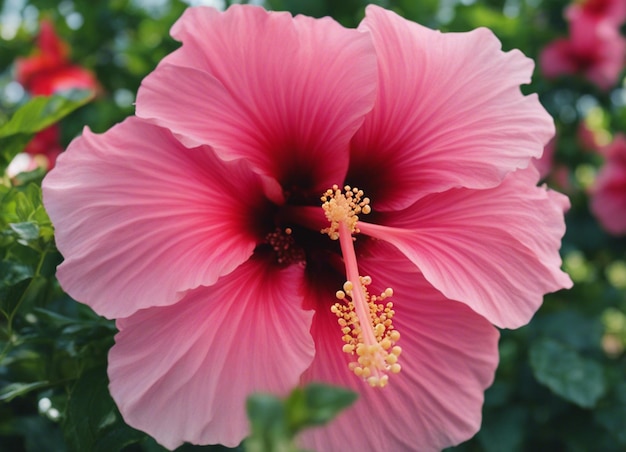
[[266, 87], [183, 372], [140, 218], [449, 357], [496, 249], [449, 113]]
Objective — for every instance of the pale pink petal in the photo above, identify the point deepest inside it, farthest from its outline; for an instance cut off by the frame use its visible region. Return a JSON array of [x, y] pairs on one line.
[[545, 163], [449, 357], [285, 93], [449, 113], [140, 218], [183, 372], [496, 249]]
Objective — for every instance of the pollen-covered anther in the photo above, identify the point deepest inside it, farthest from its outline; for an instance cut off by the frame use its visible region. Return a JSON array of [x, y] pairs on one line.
[[371, 343], [284, 246], [343, 207]]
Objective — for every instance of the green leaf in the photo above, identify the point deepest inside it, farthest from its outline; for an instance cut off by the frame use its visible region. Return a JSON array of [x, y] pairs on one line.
[[43, 111], [35, 115], [24, 204], [571, 328], [503, 430], [12, 272], [93, 421], [577, 379], [13, 390], [613, 415], [23, 217], [26, 231], [116, 437], [276, 422], [54, 319], [39, 434], [26, 177], [11, 295], [11, 146], [267, 414], [316, 404], [269, 425], [18, 203]]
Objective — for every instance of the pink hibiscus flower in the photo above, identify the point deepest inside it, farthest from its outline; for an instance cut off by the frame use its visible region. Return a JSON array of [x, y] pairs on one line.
[[47, 72], [199, 226], [46, 143], [608, 196], [588, 138], [50, 70], [613, 12], [595, 51]]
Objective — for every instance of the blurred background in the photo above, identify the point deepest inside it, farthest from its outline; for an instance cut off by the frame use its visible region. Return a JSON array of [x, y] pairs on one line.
[[561, 383]]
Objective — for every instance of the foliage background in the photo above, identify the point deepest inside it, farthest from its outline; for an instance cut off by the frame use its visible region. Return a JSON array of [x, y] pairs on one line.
[[561, 383]]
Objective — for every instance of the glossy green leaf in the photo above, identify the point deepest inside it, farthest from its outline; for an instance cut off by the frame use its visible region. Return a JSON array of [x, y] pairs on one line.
[[11, 146], [612, 416], [503, 430], [268, 424], [577, 379], [35, 115], [316, 404], [11, 295], [26, 231], [12, 272], [276, 422], [102, 429], [43, 111], [39, 433], [24, 219], [571, 328], [12, 390]]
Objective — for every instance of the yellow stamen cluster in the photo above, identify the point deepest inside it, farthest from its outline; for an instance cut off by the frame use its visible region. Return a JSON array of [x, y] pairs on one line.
[[343, 207], [376, 354], [284, 245]]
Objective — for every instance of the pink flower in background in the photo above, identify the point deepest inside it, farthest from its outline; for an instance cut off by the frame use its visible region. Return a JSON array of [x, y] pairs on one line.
[[611, 12], [608, 195], [49, 70], [41, 152], [588, 138], [596, 52], [46, 143], [199, 226]]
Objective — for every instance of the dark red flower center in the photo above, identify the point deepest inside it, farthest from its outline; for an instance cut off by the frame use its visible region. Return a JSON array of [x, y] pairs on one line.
[[365, 320]]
